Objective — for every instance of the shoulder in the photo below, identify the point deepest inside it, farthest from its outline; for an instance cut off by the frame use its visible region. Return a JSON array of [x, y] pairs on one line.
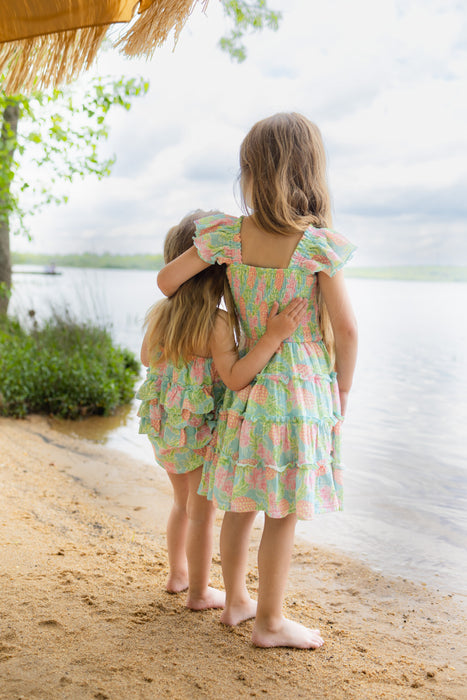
[[218, 221], [217, 238], [323, 250]]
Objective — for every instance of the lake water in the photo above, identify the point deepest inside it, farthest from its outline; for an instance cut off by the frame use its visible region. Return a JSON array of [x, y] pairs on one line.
[[404, 435]]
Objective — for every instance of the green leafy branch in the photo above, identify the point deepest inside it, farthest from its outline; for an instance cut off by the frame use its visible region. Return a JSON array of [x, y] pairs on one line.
[[246, 16], [60, 130]]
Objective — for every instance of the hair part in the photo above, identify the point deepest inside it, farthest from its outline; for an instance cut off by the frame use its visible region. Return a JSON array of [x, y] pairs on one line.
[[181, 326]]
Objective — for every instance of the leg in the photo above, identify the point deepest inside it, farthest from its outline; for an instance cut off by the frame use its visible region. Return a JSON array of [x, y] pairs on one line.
[[271, 628], [176, 535], [235, 538], [199, 544]]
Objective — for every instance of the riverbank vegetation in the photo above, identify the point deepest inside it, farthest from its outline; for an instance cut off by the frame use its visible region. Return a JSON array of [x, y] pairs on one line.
[[63, 368]]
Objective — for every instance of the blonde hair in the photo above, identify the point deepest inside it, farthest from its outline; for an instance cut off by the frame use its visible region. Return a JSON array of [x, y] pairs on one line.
[[181, 326], [283, 163], [283, 170]]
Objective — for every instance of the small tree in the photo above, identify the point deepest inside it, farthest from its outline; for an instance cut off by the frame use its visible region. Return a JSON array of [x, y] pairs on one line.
[[59, 141]]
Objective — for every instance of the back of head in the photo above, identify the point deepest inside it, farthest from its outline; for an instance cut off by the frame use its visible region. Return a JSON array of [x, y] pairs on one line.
[[181, 326], [179, 238], [283, 172]]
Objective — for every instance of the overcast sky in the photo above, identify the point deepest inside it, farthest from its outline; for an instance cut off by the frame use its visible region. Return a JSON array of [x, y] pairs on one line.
[[385, 81]]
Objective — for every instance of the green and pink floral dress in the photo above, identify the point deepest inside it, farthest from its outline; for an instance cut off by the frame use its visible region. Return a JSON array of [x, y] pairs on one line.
[[179, 410], [278, 442]]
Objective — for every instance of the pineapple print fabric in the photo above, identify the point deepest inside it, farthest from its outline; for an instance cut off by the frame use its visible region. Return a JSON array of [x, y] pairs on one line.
[[178, 411]]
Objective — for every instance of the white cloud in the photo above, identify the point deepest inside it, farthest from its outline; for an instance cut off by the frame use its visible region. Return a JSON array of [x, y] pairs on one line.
[[384, 81]]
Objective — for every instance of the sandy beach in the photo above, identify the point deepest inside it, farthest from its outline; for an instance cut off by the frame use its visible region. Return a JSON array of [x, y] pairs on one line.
[[84, 612]]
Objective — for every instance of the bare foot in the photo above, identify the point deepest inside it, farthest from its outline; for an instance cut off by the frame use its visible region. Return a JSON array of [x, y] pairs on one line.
[[177, 582], [286, 634], [234, 614], [212, 598]]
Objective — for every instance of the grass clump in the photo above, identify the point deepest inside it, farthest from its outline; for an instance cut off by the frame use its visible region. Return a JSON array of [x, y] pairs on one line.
[[63, 368]]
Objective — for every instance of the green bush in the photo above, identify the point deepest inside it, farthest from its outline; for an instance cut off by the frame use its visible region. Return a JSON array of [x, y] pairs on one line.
[[64, 368]]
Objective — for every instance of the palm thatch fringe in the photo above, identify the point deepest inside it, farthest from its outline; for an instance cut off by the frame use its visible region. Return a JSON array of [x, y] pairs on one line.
[[154, 24], [51, 59], [45, 61]]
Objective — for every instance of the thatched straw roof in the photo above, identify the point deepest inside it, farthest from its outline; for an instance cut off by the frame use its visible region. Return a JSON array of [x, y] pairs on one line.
[[47, 42]]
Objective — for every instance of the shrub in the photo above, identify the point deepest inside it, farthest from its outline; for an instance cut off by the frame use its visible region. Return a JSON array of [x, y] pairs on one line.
[[64, 368]]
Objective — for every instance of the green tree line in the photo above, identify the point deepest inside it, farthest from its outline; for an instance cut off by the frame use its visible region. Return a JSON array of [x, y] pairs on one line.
[[99, 260], [421, 273]]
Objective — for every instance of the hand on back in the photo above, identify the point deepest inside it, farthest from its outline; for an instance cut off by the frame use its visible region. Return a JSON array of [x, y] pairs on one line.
[[280, 326]]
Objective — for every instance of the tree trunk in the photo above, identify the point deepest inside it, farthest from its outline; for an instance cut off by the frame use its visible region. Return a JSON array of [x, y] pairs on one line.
[[5, 266], [7, 149]]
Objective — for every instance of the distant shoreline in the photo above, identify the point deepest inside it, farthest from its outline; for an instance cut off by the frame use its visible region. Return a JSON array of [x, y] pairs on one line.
[[419, 273], [100, 261], [414, 273]]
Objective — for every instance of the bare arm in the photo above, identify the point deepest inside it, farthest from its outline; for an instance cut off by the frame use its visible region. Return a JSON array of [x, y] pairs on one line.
[[237, 373], [145, 352], [179, 271], [344, 326]]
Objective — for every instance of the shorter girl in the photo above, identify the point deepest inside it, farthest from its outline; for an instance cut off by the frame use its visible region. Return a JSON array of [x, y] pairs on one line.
[[181, 397]]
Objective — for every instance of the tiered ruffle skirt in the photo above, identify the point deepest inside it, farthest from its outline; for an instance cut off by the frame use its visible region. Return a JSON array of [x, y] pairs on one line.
[[278, 442], [178, 412]]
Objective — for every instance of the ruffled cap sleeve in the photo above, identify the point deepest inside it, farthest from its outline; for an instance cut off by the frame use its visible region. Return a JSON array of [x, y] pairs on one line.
[[217, 239], [323, 250]]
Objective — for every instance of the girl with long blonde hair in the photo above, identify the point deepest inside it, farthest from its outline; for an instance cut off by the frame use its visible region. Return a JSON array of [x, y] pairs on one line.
[[191, 353], [278, 448]]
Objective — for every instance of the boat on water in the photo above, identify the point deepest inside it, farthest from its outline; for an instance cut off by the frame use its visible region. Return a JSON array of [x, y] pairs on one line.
[[48, 270], [51, 269]]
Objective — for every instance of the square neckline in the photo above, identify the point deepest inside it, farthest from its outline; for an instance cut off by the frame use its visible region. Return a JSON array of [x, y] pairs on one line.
[[238, 238]]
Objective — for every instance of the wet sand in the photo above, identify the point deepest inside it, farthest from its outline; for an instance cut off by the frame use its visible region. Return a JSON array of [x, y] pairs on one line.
[[84, 612]]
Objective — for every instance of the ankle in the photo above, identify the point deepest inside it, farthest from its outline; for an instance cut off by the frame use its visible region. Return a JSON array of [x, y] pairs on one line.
[[197, 592], [269, 622], [238, 600], [177, 581]]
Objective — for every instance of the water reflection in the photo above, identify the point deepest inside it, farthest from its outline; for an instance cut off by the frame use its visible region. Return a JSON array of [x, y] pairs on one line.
[[96, 428]]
